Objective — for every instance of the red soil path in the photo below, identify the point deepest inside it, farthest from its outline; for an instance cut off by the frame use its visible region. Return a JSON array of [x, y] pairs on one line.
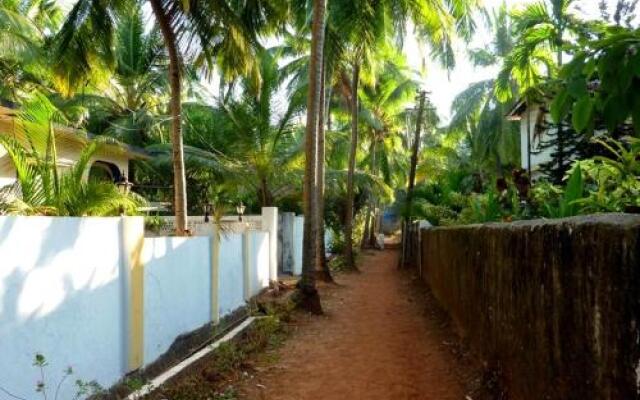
[[374, 342]]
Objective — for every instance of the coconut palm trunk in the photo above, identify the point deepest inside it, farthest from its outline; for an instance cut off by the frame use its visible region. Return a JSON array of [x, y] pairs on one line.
[[374, 201], [412, 177], [348, 221], [323, 272], [368, 224], [179, 179], [309, 298]]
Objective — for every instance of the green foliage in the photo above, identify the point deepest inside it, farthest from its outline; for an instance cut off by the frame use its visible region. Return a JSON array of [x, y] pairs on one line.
[[600, 184], [601, 84], [482, 208], [154, 223], [338, 239], [613, 183], [42, 188], [48, 390], [480, 113], [567, 205]]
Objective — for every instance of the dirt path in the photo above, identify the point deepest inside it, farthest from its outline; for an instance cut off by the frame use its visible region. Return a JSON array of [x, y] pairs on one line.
[[374, 343]]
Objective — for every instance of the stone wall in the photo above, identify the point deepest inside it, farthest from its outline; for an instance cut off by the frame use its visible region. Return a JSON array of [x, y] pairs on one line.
[[554, 304]]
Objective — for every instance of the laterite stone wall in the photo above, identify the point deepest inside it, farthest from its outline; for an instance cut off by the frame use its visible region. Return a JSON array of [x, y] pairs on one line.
[[555, 304]]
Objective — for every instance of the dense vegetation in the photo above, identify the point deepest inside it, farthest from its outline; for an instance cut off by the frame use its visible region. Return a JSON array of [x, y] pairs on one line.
[[312, 107], [472, 172]]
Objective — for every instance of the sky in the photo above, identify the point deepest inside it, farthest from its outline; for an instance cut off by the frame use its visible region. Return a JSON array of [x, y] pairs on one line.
[[444, 86]]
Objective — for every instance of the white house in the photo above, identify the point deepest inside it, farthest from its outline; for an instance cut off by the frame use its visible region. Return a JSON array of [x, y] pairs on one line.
[[536, 127], [111, 162]]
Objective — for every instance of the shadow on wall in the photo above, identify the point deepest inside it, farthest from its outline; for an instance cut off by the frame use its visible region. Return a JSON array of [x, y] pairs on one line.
[[60, 296], [64, 293]]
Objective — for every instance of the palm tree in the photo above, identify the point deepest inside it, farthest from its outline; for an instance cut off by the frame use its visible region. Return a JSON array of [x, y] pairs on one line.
[[383, 109], [297, 47], [541, 29], [23, 30], [204, 29], [132, 107], [365, 27], [478, 112], [247, 140], [544, 28], [310, 299], [41, 189]]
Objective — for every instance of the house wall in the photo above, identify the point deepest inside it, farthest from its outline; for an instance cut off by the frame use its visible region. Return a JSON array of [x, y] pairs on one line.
[[95, 294], [7, 169], [68, 152], [538, 155]]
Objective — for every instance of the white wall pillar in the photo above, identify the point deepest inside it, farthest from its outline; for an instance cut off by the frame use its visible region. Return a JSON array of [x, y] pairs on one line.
[[287, 242], [270, 224], [421, 225], [246, 264], [215, 274], [132, 272], [298, 231]]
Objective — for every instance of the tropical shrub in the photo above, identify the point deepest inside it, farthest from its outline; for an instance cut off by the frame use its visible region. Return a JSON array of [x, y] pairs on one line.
[[602, 82], [613, 183], [42, 187]]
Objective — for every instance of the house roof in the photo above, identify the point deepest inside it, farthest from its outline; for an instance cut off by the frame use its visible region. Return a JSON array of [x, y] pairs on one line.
[[71, 135]]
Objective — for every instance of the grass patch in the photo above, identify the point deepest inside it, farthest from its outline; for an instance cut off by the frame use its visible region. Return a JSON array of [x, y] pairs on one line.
[[339, 263]]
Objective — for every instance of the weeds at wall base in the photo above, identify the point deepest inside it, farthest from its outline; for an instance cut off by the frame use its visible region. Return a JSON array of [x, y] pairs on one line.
[[216, 377]]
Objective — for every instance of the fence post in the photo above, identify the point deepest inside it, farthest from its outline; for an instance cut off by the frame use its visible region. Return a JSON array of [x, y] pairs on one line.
[[246, 263], [270, 224], [298, 228], [215, 273], [132, 243], [288, 221]]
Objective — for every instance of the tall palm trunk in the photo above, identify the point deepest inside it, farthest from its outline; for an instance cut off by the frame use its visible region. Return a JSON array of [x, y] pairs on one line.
[[322, 265], [374, 201], [414, 154], [368, 225], [348, 221], [309, 298], [179, 179], [412, 176]]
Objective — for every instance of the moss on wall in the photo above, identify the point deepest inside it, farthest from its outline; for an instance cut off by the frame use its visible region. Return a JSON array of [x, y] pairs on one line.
[[554, 304]]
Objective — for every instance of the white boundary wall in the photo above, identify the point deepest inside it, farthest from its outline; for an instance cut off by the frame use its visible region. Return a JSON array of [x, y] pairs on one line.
[[231, 284], [94, 294], [177, 287], [60, 295]]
